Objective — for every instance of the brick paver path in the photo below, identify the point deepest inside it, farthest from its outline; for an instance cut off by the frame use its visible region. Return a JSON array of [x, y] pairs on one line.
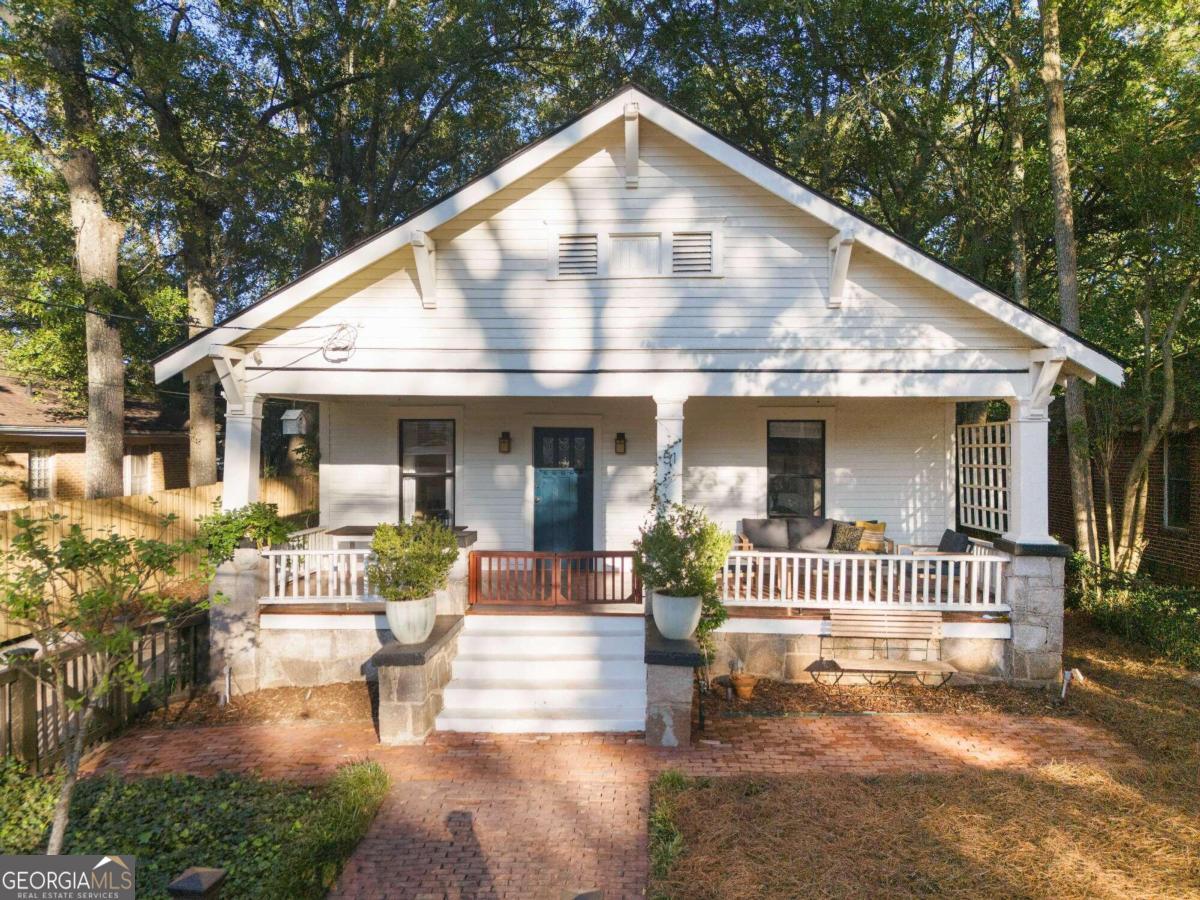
[[533, 816]]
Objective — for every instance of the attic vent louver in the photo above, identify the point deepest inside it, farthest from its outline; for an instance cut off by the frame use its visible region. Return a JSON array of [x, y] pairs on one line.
[[578, 254], [692, 253]]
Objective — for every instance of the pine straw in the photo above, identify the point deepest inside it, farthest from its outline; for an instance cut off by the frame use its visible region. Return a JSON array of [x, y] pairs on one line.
[[772, 698], [347, 702], [1075, 829]]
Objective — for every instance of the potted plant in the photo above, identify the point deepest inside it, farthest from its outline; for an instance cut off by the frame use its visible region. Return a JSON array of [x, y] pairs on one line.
[[678, 556], [743, 682], [410, 564]]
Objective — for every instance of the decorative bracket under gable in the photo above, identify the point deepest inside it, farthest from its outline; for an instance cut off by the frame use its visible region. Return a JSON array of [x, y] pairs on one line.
[[840, 246], [1044, 370], [632, 152], [425, 250], [230, 363]]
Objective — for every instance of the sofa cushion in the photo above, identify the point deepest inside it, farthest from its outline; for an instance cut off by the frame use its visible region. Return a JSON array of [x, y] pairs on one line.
[[813, 533], [766, 534], [872, 536], [846, 537], [953, 542]]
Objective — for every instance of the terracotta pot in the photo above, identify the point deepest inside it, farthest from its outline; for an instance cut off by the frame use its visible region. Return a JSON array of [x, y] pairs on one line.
[[743, 684]]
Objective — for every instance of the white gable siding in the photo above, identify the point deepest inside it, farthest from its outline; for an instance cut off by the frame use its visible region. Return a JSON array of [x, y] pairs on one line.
[[885, 460], [493, 293]]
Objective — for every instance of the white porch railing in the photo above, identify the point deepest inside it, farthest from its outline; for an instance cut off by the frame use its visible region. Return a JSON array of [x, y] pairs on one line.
[[317, 576], [958, 581]]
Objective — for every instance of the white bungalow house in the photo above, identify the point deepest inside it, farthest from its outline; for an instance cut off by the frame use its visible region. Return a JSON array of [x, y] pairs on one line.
[[519, 357]]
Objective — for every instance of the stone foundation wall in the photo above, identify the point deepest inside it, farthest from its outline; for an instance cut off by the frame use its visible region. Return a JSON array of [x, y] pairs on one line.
[[786, 657], [289, 657]]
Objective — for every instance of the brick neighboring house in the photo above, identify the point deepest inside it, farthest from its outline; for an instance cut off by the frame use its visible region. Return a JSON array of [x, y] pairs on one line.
[[1173, 505], [42, 449]]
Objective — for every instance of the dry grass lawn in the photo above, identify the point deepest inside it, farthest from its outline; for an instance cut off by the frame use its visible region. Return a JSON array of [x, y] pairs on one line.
[[1072, 829]]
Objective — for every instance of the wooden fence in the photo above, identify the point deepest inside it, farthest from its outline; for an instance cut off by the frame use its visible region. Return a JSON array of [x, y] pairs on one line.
[[33, 728], [139, 515]]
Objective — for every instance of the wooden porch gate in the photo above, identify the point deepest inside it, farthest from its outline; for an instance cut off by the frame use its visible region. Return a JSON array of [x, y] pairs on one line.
[[536, 578]]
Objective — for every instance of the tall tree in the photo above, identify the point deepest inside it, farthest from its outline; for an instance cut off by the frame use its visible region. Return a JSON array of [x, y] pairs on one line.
[[43, 50], [1078, 442]]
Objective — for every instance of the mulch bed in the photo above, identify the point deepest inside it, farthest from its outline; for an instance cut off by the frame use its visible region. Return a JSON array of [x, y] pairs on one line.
[[776, 698], [349, 702]]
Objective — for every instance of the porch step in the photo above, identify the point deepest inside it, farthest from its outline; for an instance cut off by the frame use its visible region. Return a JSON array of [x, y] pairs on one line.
[[580, 667], [494, 721], [550, 694], [551, 673]]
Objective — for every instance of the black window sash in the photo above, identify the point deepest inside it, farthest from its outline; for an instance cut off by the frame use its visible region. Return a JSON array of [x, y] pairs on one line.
[[409, 478], [814, 474]]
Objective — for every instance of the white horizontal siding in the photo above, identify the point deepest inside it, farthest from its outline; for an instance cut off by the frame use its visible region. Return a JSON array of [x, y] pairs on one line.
[[885, 460], [493, 293]]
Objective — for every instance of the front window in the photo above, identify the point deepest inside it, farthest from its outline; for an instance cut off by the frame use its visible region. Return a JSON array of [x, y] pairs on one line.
[[796, 468], [427, 470], [39, 473], [1176, 468]]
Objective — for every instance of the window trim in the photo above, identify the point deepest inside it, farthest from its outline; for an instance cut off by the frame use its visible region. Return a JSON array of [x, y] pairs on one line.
[[451, 473], [48, 454], [1166, 463], [606, 230], [824, 421]]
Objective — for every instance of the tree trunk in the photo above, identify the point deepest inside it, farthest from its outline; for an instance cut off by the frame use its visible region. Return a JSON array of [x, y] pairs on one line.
[[62, 806], [1078, 442], [97, 246], [202, 401], [1016, 159]]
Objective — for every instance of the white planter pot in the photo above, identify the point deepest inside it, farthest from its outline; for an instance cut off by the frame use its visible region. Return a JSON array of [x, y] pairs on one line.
[[675, 617], [411, 621]]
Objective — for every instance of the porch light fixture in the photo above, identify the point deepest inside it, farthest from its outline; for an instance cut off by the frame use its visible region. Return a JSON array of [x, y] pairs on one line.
[[505, 442], [619, 444]]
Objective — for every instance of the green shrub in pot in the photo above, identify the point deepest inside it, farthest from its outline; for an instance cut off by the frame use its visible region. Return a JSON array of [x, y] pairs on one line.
[[678, 556], [410, 564]]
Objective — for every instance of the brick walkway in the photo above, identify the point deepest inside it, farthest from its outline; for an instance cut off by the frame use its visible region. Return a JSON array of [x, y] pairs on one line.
[[523, 816]]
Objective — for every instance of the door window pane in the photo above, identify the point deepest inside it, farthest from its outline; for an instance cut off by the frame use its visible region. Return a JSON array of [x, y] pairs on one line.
[[427, 469], [796, 468]]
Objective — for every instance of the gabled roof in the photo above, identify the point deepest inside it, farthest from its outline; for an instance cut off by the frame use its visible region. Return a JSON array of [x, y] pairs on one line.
[[1082, 353]]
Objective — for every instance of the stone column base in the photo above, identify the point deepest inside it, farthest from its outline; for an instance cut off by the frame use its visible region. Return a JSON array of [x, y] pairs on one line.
[[669, 688], [412, 678], [233, 622], [1035, 597]]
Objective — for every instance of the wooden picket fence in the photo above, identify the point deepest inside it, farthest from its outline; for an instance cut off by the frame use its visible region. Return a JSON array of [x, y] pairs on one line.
[[141, 515]]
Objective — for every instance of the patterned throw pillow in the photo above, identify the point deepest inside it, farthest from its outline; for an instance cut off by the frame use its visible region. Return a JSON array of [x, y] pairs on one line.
[[846, 537], [872, 536]]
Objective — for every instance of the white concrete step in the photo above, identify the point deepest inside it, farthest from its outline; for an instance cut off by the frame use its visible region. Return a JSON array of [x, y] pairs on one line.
[[568, 667], [557, 624], [508, 694], [544, 644], [548, 722]]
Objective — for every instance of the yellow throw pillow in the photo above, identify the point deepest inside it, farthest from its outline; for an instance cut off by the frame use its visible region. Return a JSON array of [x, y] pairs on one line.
[[872, 540]]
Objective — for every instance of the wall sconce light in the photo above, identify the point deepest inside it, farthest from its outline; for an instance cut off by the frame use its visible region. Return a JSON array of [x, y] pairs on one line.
[[505, 442], [619, 444]]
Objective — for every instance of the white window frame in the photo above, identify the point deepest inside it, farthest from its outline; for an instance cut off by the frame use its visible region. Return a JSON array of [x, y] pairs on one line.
[[605, 230], [127, 473], [47, 454]]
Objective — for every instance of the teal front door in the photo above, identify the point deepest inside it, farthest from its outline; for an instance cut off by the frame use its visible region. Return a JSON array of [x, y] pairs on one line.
[[562, 489]]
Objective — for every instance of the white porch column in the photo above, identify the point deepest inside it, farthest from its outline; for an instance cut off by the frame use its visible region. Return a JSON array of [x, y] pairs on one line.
[[243, 440], [668, 468], [1028, 492]]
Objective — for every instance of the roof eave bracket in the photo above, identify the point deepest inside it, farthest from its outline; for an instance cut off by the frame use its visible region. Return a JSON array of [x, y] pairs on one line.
[[632, 151], [425, 252], [840, 246]]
